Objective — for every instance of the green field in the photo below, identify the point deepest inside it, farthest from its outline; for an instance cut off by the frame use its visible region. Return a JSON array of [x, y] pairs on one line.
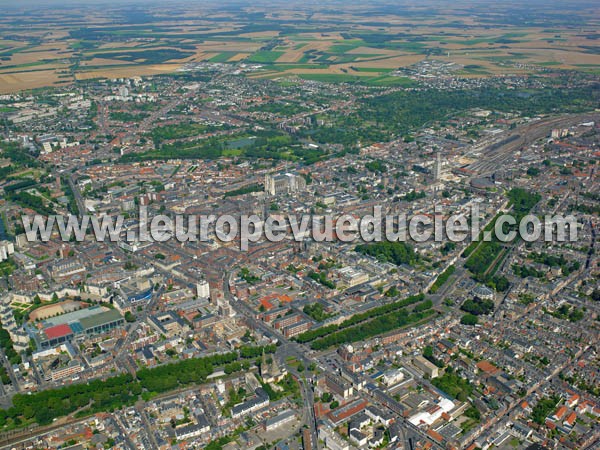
[[265, 56], [223, 57], [392, 81], [330, 77]]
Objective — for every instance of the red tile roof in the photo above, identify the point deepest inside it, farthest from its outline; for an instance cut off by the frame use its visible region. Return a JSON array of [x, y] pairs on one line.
[[487, 367], [560, 412], [266, 303], [435, 435], [571, 419], [58, 331]]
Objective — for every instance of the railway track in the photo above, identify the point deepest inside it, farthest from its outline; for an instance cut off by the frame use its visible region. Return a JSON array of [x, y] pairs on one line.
[[497, 153]]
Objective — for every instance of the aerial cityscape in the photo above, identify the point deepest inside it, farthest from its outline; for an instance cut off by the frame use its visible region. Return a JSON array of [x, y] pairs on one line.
[[299, 225]]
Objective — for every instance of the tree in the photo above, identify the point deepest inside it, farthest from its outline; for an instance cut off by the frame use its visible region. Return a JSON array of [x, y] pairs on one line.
[[326, 397], [469, 319], [395, 252], [453, 384], [478, 306], [376, 166], [543, 408], [392, 292], [447, 248], [315, 311], [473, 413], [428, 351]]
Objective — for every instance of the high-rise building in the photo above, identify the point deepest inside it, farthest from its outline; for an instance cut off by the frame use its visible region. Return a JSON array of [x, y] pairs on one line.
[[437, 167], [7, 248], [202, 289]]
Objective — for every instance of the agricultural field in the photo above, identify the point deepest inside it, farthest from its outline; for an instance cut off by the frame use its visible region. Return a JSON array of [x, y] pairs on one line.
[[326, 45]]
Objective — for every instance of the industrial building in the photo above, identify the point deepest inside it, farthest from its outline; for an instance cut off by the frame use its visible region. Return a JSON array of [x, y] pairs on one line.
[[84, 322]]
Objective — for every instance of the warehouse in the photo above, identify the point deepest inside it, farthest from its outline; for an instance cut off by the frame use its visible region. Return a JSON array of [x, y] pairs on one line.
[[89, 322]]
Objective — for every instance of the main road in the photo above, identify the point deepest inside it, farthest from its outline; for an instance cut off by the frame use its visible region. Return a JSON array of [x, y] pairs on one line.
[[284, 351]]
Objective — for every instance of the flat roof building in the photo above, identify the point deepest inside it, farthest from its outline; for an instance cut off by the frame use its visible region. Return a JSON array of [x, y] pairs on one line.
[[88, 321], [426, 366], [279, 420]]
